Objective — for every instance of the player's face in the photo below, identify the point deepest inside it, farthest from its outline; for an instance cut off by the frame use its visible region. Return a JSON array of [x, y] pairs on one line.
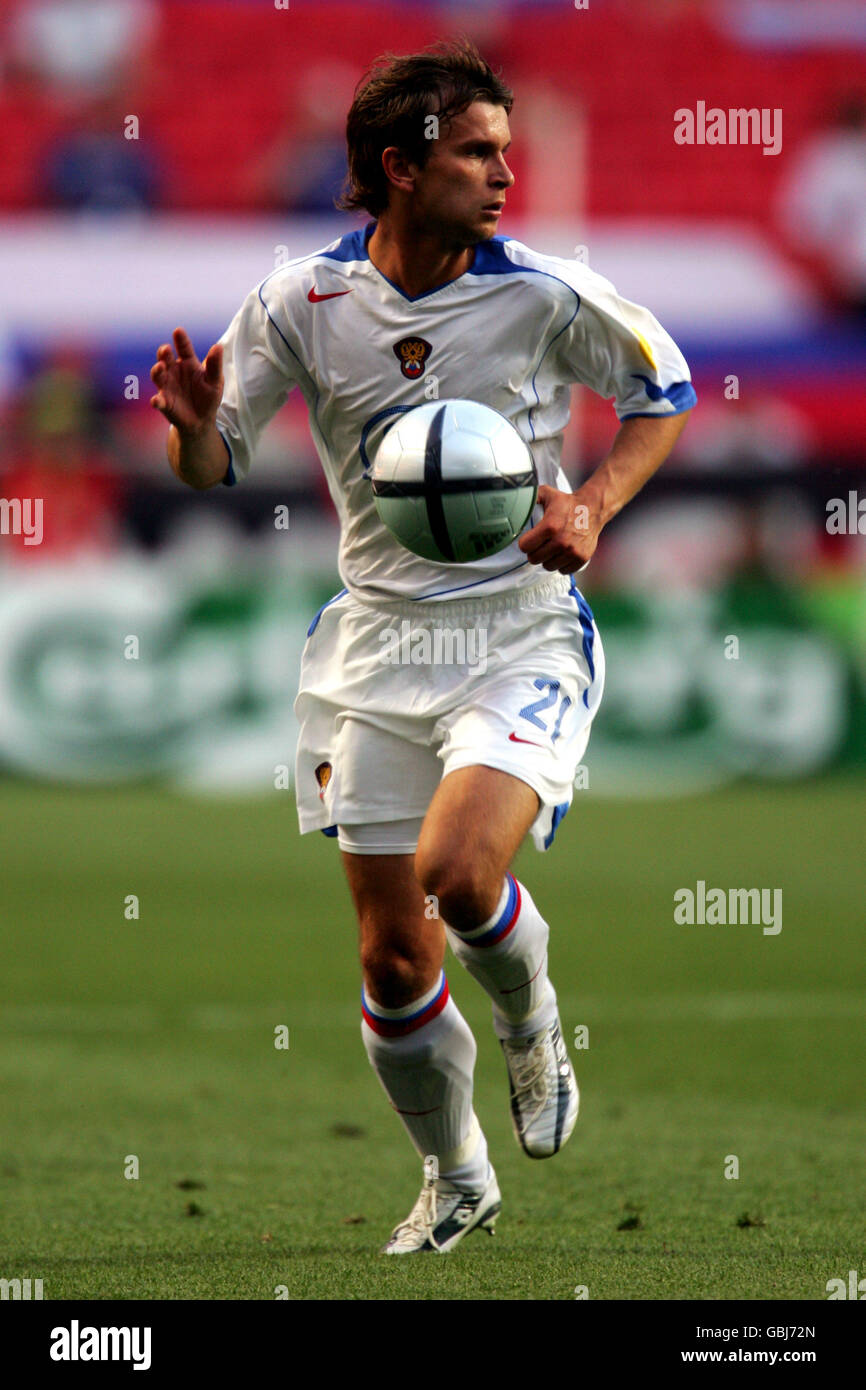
[[460, 192]]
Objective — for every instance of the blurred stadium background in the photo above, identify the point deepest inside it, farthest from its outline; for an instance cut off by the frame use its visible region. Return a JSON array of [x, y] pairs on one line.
[[756, 263], [158, 159]]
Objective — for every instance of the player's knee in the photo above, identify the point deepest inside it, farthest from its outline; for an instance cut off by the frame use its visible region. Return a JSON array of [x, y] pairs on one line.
[[393, 978], [465, 894]]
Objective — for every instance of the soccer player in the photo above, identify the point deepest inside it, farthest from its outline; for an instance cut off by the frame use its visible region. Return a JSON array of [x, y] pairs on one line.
[[431, 778]]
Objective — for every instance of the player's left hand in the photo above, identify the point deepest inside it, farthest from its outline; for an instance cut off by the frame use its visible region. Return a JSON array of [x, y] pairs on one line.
[[566, 536]]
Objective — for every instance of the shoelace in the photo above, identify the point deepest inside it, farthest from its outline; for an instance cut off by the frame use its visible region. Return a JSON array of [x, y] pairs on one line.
[[529, 1070], [423, 1215]]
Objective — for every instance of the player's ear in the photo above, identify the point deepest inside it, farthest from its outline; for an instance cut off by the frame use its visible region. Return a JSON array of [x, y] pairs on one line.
[[399, 170]]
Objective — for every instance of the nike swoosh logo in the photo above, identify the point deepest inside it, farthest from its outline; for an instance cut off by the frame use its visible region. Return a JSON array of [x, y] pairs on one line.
[[514, 739], [315, 298]]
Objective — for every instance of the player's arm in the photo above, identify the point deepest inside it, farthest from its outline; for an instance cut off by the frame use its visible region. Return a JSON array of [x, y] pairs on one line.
[[620, 351], [567, 534], [188, 394]]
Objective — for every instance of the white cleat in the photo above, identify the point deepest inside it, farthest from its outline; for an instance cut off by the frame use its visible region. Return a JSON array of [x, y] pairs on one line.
[[544, 1094], [444, 1214]]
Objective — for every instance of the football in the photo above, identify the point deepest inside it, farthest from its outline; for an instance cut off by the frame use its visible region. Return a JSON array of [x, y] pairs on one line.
[[453, 481]]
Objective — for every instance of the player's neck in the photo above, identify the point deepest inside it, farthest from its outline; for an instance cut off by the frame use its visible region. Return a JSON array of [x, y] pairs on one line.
[[415, 263]]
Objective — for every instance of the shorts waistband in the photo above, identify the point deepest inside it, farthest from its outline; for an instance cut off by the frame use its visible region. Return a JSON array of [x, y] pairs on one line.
[[449, 610]]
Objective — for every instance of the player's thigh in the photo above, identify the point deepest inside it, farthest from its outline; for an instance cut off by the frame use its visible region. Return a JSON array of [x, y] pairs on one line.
[[401, 940], [476, 822]]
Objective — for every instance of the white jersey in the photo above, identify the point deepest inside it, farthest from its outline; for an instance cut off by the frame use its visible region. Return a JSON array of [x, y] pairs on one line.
[[514, 332]]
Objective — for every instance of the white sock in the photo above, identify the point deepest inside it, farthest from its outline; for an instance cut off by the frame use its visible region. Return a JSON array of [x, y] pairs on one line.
[[507, 955], [424, 1056]]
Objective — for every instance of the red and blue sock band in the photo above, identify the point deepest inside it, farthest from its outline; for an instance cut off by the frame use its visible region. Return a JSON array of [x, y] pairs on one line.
[[505, 919], [398, 1023]]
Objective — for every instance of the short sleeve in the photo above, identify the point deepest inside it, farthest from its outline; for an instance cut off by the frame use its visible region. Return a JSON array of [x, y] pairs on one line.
[[619, 350], [260, 371]]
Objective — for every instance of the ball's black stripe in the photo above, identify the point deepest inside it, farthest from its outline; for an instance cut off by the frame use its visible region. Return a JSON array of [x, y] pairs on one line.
[[501, 483], [433, 485]]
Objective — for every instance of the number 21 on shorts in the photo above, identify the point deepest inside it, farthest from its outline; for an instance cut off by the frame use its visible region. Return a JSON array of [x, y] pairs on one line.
[[532, 711]]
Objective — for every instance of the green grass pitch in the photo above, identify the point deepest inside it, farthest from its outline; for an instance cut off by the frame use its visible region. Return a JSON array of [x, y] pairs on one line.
[[262, 1167]]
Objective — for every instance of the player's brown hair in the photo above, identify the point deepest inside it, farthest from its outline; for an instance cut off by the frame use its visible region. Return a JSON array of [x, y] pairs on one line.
[[391, 104]]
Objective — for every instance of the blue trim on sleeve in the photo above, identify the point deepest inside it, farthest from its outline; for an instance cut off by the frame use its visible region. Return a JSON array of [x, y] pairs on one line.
[[230, 478], [331, 832], [681, 394]]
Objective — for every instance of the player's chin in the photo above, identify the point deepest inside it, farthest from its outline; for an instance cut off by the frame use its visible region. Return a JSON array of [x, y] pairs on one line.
[[489, 221], [482, 227]]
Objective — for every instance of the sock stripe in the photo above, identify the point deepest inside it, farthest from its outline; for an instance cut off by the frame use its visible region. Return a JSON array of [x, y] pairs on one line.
[[401, 1027], [506, 921]]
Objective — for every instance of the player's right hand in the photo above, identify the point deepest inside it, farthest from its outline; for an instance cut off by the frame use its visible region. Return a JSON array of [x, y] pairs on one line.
[[188, 392]]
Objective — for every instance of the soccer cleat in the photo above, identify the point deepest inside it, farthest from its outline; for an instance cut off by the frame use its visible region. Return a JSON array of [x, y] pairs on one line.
[[444, 1214], [544, 1094]]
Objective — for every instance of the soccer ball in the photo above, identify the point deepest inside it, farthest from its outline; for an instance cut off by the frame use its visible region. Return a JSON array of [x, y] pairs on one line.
[[454, 481]]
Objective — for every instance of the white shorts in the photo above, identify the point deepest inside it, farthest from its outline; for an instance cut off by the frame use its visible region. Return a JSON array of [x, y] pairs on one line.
[[392, 697]]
